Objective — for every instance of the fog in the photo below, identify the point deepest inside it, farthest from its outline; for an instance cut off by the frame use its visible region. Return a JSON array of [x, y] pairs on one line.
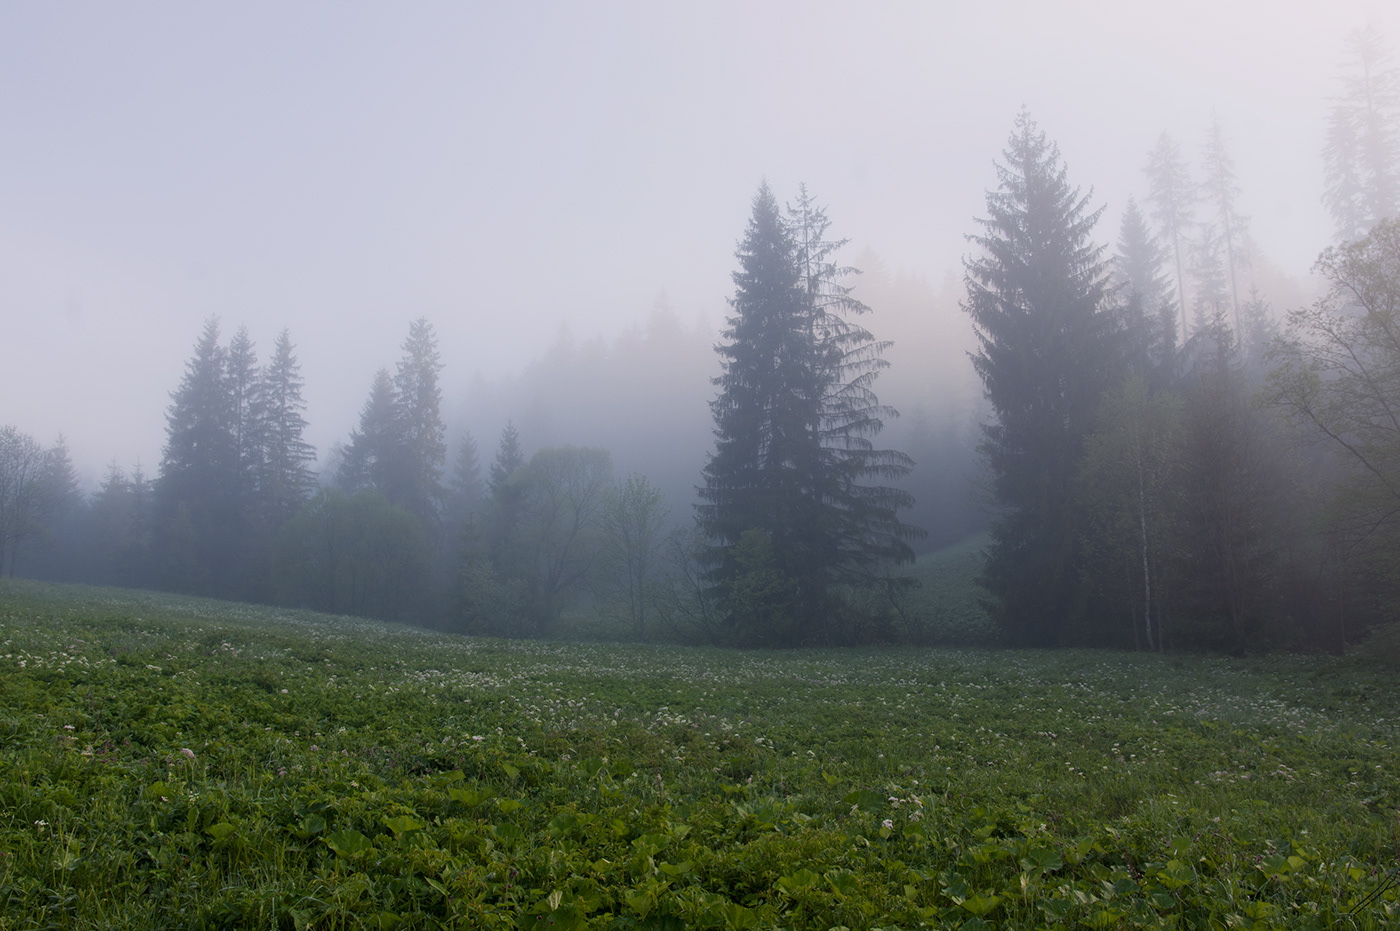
[[538, 180]]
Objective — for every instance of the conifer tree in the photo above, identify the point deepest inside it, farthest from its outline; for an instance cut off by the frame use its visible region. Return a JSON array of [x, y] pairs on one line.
[[1362, 152], [416, 482], [1173, 202], [1222, 190], [370, 456], [1036, 295], [509, 457], [787, 502], [285, 480], [1148, 311]]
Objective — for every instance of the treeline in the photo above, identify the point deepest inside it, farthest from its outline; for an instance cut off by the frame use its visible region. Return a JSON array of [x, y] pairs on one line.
[[237, 511], [1161, 494], [1164, 466]]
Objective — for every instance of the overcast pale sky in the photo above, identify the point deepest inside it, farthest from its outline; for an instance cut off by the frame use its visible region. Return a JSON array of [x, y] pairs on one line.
[[342, 168]]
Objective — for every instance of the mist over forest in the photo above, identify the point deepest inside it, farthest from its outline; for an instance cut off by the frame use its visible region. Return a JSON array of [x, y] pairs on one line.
[[768, 414]]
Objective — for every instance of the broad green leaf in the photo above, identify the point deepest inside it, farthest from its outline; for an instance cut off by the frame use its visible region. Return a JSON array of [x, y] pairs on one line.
[[981, 905], [348, 843]]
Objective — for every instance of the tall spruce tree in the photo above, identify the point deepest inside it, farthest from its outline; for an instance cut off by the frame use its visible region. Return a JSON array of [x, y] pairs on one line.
[[371, 456], [1362, 152], [1222, 191], [285, 481], [787, 504], [1173, 201], [417, 475], [1146, 306], [1048, 350], [196, 502]]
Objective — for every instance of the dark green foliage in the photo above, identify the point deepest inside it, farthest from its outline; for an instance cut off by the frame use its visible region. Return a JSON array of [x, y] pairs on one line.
[[1048, 350], [794, 417], [354, 554], [544, 536]]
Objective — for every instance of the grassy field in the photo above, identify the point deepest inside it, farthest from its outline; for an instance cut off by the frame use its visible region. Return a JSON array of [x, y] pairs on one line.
[[169, 762]]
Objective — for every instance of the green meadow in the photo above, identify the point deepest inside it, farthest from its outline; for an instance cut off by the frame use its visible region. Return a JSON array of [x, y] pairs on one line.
[[168, 762]]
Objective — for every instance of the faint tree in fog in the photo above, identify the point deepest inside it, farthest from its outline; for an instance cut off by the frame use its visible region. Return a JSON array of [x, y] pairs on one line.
[[241, 380], [1037, 297], [464, 491], [1212, 294], [1173, 201], [198, 523], [1361, 156], [35, 485], [285, 479], [551, 544], [120, 516], [509, 457], [416, 482], [1127, 481], [1222, 191], [634, 521], [369, 458], [1145, 294], [355, 554], [1340, 376]]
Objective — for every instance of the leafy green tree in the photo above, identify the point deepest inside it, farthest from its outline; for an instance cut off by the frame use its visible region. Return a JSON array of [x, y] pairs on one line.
[[353, 554], [551, 545], [794, 419], [1361, 155], [36, 485], [1036, 294], [634, 520], [1339, 376]]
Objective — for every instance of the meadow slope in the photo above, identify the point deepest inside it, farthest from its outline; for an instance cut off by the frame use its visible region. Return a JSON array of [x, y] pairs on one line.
[[172, 762]]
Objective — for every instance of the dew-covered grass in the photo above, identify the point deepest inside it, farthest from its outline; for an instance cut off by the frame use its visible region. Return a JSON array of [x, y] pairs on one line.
[[175, 762]]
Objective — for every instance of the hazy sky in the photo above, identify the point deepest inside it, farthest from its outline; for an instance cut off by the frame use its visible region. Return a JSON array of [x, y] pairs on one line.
[[342, 168]]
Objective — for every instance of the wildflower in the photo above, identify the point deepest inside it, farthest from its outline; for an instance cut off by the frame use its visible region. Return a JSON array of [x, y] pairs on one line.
[[187, 753], [887, 824]]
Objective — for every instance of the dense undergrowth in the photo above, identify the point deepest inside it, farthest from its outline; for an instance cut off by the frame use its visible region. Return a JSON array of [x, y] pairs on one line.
[[169, 762]]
